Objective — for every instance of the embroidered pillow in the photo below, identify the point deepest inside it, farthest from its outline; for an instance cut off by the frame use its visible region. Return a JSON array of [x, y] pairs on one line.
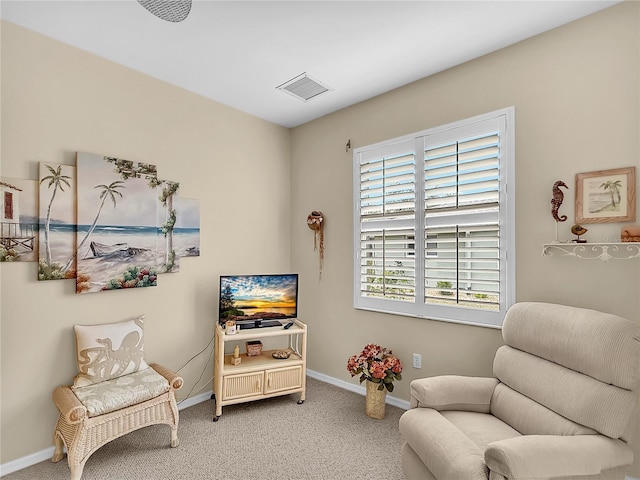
[[109, 351]]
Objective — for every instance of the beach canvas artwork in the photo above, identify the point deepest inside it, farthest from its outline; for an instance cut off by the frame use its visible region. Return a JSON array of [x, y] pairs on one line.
[[187, 238], [117, 235], [57, 219], [19, 220], [169, 201], [179, 224]]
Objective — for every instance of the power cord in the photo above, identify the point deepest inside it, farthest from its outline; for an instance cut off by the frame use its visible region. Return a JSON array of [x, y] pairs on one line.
[[189, 361], [201, 373]]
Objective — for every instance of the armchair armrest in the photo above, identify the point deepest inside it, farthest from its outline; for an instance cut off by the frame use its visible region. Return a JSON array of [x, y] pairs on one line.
[[173, 378], [68, 405], [554, 456], [453, 392]]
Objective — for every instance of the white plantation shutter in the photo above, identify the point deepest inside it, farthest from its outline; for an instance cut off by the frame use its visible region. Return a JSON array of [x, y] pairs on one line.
[[434, 234], [462, 222], [386, 181]]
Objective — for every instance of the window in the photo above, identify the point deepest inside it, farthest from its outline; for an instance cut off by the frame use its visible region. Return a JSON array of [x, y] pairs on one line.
[[434, 223]]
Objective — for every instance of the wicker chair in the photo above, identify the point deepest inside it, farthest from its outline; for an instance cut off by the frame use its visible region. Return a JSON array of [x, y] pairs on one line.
[[114, 393], [83, 434]]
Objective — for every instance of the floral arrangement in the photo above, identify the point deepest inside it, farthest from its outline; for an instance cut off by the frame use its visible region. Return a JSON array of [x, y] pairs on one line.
[[376, 364]]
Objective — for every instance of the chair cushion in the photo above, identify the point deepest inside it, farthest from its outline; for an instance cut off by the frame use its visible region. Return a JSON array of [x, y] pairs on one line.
[[451, 444], [481, 428], [530, 417], [109, 351], [121, 392], [603, 346], [578, 397]]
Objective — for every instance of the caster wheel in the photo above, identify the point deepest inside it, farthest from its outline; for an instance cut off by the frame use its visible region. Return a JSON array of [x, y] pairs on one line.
[[300, 402], [216, 418], [213, 396]]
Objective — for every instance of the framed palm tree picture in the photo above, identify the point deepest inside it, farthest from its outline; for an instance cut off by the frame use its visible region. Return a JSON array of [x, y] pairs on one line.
[[606, 196]]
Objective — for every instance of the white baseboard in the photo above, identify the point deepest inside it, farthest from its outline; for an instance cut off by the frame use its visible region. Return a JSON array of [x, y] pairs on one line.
[[47, 453], [359, 389], [26, 461]]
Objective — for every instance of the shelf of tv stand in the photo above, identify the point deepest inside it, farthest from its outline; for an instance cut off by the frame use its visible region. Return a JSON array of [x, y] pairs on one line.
[[259, 376]]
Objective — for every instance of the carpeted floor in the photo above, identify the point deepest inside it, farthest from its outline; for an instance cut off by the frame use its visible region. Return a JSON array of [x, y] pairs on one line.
[[329, 437]]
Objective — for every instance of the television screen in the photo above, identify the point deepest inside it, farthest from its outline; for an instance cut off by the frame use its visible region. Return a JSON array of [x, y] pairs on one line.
[[258, 300]]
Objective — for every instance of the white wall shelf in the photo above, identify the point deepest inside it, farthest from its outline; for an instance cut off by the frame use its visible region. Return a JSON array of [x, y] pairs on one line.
[[594, 251]]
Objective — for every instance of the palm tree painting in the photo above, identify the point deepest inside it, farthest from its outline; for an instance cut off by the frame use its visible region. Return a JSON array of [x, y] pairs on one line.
[[57, 218], [613, 187], [117, 233]]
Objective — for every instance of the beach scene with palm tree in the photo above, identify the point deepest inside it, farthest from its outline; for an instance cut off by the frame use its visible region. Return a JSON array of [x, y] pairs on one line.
[[118, 244], [57, 217], [605, 197], [111, 223]]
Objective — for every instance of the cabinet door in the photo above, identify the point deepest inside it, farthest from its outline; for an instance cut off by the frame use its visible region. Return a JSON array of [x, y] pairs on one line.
[[242, 385], [283, 379]]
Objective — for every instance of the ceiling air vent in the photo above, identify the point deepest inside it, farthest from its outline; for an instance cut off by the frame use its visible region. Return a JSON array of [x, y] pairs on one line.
[[303, 87]]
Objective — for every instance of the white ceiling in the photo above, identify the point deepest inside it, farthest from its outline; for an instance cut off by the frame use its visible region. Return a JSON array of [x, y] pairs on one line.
[[238, 52]]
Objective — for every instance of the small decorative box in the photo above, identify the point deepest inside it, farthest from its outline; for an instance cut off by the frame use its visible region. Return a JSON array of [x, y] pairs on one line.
[[254, 348]]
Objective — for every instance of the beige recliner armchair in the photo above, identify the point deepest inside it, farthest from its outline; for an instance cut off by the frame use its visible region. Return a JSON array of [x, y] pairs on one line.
[[564, 403]]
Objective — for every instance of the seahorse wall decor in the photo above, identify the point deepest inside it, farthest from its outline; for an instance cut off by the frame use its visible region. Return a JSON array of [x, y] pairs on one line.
[[556, 201]]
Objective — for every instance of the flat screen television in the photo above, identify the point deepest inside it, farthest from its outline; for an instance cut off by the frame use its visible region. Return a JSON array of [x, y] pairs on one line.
[[255, 301]]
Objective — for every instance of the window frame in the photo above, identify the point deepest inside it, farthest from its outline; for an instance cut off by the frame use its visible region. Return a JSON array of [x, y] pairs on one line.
[[503, 121]]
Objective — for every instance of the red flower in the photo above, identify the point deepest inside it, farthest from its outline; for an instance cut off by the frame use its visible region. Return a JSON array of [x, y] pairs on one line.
[[377, 364], [377, 369]]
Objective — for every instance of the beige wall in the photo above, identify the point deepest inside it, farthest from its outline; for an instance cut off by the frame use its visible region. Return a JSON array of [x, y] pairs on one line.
[[577, 109], [57, 100], [576, 96]]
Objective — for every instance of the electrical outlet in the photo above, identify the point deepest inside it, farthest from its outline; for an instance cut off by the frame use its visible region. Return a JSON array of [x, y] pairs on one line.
[[417, 360]]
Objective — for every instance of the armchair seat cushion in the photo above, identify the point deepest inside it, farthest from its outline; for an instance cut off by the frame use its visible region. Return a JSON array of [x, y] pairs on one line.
[[121, 392], [451, 444]]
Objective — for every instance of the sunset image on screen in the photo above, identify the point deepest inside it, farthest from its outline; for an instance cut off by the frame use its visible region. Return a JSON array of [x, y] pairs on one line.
[[273, 296]]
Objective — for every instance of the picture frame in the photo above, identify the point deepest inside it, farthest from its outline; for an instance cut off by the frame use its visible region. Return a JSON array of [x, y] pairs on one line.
[[606, 196]]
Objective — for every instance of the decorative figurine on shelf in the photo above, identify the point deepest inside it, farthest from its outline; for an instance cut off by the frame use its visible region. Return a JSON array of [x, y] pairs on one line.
[[315, 221], [235, 360], [556, 202], [578, 230], [630, 233]]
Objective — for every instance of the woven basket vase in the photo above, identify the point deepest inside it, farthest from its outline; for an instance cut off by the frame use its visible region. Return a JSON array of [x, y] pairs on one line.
[[375, 401]]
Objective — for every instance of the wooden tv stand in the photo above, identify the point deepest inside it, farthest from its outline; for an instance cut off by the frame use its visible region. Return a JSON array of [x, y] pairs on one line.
[[260, 376]]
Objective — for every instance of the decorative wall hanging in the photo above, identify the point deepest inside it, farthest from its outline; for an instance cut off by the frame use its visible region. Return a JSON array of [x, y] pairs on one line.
[[315, 221], [107, 222], [18, 220], [57, 214], [606, 196], [556, 203]]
